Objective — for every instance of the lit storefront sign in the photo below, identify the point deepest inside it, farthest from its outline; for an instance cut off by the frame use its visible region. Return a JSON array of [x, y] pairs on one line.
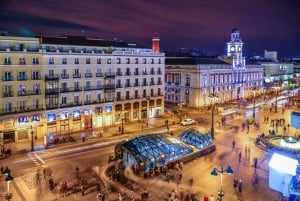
[[108, 108], [22, 120], [51, 117], [98, 110], [76, 114], [35, 118], [64, 115], [87, 112]]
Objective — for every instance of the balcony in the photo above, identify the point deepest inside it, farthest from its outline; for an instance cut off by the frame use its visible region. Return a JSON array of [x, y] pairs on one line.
[[136, 84], [35, 77], [99, 75], [91, 88], [51, 106], [77, 75], [145, 73], [159, 72], [87, 102], [8, 94], [128, 85], [145, 84], [110, 86], [119, 73], [136, 73], [21, 78], [51, 77], [128, 73], [109, 100], [51, 91], [152, 72], [7, 78], [7, 62], [78, 103], [110, 75], [64, 76], [29, 92], [70, 89], [21, 109], [88, 75], [118, 86]]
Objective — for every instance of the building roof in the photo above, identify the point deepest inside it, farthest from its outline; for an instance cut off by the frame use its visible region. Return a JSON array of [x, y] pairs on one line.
[[83, 41], [147, 147], [196, 138], [193, 61]]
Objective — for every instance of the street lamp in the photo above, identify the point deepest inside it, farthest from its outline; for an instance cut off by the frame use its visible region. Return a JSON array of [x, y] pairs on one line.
[[8, 179], [254, 88], [32, 140], [276, 96], [122, 130], [293, 85], [212, 129], [215, 172]]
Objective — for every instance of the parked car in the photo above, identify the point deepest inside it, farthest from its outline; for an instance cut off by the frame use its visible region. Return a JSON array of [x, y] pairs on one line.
[[186, 122]]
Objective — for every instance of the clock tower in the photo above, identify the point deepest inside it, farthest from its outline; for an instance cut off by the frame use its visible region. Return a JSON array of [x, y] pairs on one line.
[[235, 49]]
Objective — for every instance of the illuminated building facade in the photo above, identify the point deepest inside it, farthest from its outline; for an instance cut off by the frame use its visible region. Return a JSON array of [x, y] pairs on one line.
[[58, 85], [194, 81]]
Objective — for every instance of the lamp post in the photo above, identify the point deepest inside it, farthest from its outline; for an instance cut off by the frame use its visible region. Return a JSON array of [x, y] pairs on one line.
[[8, 179], [215, 172], [254, 88], [32, 140], [276, 96], [212, 129], [122, 129], [293, 94]]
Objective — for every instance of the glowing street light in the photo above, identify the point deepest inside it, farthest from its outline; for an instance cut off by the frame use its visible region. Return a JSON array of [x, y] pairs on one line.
[[254, 93], [215, 172], [212, 98]]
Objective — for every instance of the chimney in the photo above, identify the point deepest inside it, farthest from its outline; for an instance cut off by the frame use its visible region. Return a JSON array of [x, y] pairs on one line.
[[155, 43]]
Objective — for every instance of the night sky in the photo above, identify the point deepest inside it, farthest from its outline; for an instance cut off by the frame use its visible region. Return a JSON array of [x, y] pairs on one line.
[[203, 25]]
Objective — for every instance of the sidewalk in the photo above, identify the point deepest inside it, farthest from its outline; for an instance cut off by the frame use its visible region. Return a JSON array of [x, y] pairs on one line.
[[24, 187]]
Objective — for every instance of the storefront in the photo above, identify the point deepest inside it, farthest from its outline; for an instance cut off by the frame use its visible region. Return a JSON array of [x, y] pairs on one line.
[[76, 120], [135, 112]]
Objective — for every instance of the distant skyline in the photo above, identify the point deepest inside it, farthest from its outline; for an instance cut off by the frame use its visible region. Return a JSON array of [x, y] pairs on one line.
[[203, 25]]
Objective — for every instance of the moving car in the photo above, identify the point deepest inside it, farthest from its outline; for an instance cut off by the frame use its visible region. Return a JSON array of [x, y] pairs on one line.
[[186, 122]]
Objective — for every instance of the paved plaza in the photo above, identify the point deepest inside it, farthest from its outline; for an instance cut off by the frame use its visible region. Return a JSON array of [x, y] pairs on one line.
[[26, 188]]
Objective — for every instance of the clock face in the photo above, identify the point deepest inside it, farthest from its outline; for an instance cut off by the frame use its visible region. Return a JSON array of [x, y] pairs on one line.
[[232, 48]]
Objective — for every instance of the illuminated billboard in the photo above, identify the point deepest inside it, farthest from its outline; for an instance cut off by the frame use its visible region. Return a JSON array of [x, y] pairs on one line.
[[295, 120]]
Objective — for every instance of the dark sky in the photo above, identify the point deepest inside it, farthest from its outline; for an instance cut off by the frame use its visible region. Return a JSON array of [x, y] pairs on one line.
[[205, 25]]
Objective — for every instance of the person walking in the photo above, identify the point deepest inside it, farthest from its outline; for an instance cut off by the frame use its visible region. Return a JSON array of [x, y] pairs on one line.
[[240, 156], [211, 198], [240, 185], [235, 182], [82, 187]]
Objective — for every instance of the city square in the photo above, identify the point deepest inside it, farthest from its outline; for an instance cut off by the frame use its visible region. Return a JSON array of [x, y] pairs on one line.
[[199, 169]]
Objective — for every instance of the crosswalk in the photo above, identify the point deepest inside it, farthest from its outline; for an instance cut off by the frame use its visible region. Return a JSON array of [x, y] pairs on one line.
[[36, 159]]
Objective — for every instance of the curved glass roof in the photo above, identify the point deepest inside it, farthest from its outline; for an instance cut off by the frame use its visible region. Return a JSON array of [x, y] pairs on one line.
[[194, 137], [154, 147]]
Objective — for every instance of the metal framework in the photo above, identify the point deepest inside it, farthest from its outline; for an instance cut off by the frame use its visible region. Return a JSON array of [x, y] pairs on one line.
[[195, 138]]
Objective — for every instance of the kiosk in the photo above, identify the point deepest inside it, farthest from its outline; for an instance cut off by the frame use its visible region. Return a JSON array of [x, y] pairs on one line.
[[283, 174]]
